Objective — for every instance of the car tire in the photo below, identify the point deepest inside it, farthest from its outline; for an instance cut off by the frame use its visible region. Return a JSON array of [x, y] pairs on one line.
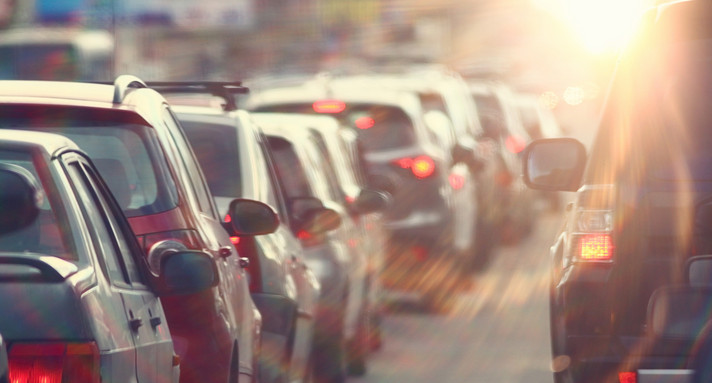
[[359, 347], [330, 351]]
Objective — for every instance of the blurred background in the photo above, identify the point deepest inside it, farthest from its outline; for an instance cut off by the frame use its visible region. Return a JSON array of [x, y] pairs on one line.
[[561, 49]]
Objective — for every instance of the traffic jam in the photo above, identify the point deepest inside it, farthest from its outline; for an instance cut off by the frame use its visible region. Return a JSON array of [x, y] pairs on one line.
[[187, 229]]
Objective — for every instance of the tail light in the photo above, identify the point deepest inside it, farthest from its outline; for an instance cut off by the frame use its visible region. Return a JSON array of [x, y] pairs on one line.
[[515, 144], [421, 166], [627, 377], [54, 363], [457, 181], [329, 106], [308, 239], [593, 226]]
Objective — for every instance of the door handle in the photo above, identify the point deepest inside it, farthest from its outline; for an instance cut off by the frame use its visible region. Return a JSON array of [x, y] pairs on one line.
[[135, 323], [225, 251], [244, 262], [155, 321]]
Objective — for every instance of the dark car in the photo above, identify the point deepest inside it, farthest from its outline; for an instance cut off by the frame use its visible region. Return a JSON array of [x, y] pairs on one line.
[[138, 147], [430, 216], [233, 154], [80, 302], [643, 201]]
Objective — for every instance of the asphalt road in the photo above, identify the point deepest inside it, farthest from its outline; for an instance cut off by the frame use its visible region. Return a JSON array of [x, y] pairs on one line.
[[497, 332]]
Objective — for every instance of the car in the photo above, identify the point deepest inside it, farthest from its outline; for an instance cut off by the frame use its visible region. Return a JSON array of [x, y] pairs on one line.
[[341, 269], [450, 114], [137, 145], [233, 153], [57, 53], [339, 146], [514, 206], [641, 208], [81, 302], [427, 231]]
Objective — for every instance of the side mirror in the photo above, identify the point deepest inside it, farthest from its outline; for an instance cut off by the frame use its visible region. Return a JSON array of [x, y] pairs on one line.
[[310, 215], [369, 201], [554, 164], [250, 217], [19, 196], [321, 221], [186, 272]]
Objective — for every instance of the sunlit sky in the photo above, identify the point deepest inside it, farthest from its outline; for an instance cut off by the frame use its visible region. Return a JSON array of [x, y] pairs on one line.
[[600, 25]]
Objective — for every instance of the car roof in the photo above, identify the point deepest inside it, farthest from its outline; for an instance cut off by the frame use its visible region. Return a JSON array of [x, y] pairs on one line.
[[284, 124], [141, 101], [49, 143], [347, 89]]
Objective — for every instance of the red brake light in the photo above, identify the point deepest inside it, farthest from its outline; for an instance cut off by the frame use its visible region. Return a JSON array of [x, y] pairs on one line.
[[329, 106], [515, 144], [421, 166], [595, 247], [308, 239], [365, 123], [227, 218], [627, 377], [235, 240], [54, 363], [457, 181]]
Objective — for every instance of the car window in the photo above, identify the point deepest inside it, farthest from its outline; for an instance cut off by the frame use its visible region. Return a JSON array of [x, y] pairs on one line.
[[191, 164], [128, 156], [216, 148], [289, 169], [107, 234], [48, 234], [379, 127], [667, 136]]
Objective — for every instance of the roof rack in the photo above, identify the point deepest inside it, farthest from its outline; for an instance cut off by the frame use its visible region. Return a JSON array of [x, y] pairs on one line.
[[223, 89], [123, 83]]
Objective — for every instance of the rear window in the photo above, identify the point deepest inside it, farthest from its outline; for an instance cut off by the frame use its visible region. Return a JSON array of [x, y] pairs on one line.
[[216, 148], [128, 156], [48, 234], [379, 127]]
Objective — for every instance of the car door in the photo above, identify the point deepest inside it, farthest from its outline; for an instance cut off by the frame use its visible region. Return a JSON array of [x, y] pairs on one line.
[[304, 280], [121, 255]]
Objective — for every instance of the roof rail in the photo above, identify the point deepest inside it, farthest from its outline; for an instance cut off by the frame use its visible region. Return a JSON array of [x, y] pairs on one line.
[[123, 83], [223, 89]]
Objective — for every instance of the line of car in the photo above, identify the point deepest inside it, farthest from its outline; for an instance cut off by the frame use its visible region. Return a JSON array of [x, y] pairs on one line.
[[158, 236]]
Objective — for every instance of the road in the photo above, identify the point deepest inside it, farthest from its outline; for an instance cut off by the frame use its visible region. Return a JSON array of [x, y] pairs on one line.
[[497, 332]]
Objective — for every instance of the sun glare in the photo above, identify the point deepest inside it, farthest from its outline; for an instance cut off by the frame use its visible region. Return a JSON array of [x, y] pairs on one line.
[[601, 25]]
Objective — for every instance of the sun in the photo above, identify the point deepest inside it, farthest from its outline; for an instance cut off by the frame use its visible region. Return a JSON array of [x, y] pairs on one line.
[[600, 25]]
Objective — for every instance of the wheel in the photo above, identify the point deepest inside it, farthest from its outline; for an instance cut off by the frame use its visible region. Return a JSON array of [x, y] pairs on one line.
[[360, 346], [330, 353]]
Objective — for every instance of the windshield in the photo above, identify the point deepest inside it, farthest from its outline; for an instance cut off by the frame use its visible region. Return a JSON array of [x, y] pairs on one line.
[[48, 234], [379, 127]]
